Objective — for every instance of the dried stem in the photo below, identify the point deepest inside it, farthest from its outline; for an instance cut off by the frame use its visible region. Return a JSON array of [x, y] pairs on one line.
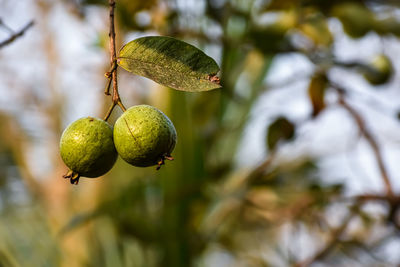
[[15, 35], [112, 75]]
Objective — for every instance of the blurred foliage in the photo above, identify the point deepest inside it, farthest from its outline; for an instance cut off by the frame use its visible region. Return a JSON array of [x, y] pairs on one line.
[[279, 130], [205, 205], [316, 91]]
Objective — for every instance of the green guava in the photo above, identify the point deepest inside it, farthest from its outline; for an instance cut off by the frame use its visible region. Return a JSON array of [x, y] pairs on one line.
[[379, 70], [144, 136], [87, 148]]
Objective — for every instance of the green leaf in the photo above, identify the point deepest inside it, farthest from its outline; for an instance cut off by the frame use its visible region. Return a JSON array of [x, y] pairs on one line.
[[170, 62]]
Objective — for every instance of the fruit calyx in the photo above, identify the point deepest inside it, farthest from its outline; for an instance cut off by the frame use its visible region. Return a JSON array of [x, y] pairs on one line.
[[162, 161], [73, 176]]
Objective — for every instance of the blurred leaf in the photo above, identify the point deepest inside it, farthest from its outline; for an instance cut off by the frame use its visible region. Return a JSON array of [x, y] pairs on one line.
[[379, 70], [316, 28], [6, 259], [281, 4], [280, 130], [316, 92], [170, 62], [77, 221], [357, 20], [389, 25], [285, 21], [269, 40], [272, 38]]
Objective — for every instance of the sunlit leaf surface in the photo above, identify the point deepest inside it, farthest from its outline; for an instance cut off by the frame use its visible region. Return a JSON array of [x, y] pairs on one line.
[[170, 62]]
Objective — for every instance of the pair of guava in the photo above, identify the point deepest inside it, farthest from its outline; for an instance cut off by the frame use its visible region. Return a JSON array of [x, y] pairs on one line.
[[143, 136]]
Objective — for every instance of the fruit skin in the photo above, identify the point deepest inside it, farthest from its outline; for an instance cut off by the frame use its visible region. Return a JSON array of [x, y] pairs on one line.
[[144, 136], [87, 147]]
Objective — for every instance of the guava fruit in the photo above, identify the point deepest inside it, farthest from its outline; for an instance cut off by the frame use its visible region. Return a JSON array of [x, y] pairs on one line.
[[87, 148], [144, 136], [379, 70]]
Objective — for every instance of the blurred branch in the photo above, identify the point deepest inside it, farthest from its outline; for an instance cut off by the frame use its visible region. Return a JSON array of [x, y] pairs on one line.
[[371, 197], [389, 197], [369, 138], [14, 35], [393, 201], [259, 170], [13, 135], [335, 238]]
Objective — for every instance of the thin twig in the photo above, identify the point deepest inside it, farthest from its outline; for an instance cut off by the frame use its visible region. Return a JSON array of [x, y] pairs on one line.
[[112, 75], [113, 55], [108, 114], [119, 103], [107, 89], [371, 140], [108, 75], [16, 35]]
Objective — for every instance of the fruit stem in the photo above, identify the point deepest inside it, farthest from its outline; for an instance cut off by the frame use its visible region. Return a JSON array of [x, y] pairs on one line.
[[107, 90], [109, 111], [162, 161], [121, 106], [112, 74], [108, 75], [111, 108]]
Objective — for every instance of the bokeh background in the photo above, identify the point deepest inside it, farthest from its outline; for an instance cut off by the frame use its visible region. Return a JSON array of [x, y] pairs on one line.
[[294, 162]]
